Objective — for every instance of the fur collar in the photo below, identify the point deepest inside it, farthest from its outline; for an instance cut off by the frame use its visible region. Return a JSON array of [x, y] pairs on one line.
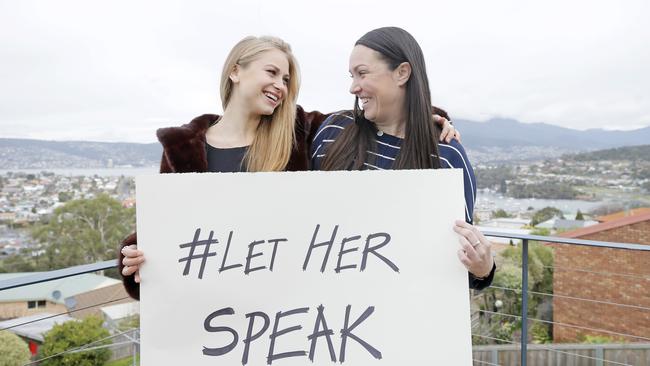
[[184, 146]]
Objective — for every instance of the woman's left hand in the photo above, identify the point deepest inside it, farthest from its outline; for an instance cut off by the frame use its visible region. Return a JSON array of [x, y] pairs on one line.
[[475, 251]]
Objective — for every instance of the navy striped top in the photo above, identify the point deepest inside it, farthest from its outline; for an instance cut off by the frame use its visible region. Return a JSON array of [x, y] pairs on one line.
[[452, 155]]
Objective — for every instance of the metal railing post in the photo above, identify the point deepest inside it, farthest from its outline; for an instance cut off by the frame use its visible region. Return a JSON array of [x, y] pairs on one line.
[[524, 302], [133, 351], [600, 356]]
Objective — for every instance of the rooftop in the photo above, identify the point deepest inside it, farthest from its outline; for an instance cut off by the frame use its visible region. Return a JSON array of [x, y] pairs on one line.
[[622, 214], [34, 326], [609, 225], [55, 291]]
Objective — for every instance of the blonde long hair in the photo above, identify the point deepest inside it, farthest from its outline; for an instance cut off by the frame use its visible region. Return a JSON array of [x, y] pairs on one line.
[[275, 137]]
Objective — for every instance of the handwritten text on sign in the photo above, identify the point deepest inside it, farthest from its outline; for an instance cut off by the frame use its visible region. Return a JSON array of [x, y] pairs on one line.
[[283, 269]]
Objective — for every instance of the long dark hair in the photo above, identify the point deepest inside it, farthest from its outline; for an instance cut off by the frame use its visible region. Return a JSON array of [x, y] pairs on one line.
[[349, 151]]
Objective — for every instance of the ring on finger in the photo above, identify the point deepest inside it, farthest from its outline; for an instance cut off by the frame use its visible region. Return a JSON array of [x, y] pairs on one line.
[[478, 242]]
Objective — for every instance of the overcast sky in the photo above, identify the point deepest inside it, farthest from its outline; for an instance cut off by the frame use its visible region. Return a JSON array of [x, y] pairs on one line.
[[118, 70]]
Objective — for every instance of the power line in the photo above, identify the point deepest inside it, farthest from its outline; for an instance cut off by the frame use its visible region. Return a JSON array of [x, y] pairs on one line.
[[635, 276], [568, 325], [574, 298]]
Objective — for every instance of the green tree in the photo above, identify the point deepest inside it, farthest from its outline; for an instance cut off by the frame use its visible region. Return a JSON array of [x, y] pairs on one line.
[[548, 190], [83, 231], [500, 213], [544, 214], [130, 322], [494, 177], [74, 334], [579, 216], [13, 350], [540, 333], [65, 196], [17, 263]]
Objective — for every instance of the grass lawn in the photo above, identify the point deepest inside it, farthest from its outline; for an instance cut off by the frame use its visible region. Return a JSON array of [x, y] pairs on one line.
[[124, 362]]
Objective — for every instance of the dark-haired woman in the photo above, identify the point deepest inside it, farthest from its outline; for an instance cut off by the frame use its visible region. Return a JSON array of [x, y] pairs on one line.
[[391, 127]]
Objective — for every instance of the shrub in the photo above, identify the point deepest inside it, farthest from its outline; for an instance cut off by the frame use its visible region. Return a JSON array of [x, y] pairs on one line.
[[74, 334], [13, 350]]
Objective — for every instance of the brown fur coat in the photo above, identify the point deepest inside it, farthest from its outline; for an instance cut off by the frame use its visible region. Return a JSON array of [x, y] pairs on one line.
[[184, 152]]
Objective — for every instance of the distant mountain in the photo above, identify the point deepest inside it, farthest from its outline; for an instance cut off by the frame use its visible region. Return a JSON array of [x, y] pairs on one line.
[[40, 154], [506, 133], [494, 141]]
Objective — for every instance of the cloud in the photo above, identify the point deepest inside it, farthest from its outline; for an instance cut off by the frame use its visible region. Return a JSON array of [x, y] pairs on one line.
[[119, 70]]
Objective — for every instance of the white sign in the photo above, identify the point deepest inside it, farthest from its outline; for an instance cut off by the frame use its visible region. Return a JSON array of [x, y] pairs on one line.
[[309, 268]]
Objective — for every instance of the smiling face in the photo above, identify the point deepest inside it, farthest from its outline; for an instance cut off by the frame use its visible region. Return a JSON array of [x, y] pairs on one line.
[[262, 84], [379, 89]]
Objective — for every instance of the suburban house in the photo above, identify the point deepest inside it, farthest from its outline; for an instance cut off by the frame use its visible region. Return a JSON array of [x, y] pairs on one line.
[[614, 282], [47, 297]]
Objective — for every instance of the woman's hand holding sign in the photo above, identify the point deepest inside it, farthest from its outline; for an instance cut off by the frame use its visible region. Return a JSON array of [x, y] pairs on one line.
[[132, 260], [475, 251]]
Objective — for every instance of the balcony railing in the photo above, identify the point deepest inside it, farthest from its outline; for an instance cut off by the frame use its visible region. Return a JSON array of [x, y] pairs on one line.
[[560, 350], [525, 241]]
